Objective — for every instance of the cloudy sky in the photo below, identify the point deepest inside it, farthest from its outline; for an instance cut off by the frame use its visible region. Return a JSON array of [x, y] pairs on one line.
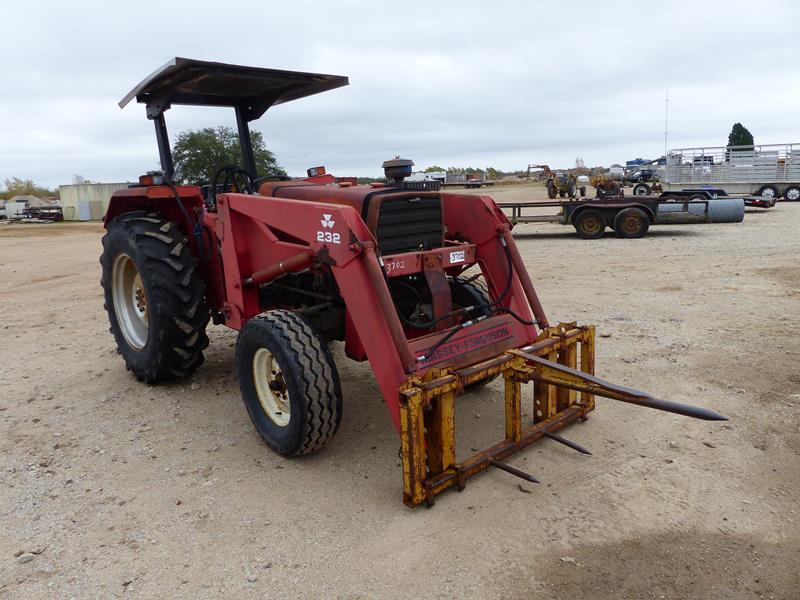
[[461, 83]]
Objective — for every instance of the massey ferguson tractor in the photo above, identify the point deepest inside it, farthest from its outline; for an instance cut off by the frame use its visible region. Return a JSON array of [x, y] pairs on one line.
[[428, 287]]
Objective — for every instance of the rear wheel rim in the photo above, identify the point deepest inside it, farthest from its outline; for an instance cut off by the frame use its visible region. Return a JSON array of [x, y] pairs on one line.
[[768, 193], [271, 387], [130, 301], [631, 225], [591, 225]]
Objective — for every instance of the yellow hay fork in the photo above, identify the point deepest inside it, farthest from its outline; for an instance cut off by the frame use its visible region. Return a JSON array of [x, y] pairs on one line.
[[564, 391]]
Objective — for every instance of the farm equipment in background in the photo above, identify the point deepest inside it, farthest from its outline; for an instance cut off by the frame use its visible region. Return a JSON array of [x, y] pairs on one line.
[[545, 173], [606, 187], [559, 183], [429, 287]]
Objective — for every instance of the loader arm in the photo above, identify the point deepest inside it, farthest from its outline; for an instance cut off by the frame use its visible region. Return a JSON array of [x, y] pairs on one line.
[[336, 236]]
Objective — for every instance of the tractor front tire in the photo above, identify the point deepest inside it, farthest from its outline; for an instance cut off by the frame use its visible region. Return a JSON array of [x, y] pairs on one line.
[[552, 192], [154, 297], [288, 382]]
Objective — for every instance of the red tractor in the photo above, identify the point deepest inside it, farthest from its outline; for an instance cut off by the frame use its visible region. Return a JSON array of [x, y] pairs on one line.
[[428, 287]]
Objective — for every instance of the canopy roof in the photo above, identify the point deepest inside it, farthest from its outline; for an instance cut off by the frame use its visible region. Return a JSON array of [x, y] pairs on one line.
[[201, 83]]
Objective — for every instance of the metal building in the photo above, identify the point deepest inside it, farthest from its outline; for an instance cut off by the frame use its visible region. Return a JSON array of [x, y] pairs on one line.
[[87, 201]]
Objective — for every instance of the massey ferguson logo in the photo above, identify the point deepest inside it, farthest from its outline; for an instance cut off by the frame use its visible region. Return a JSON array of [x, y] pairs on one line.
[[470, 341], [326, 236]]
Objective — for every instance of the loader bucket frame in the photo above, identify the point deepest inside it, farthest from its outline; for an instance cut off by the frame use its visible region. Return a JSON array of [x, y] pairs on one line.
[[561, 366], [427, 412]]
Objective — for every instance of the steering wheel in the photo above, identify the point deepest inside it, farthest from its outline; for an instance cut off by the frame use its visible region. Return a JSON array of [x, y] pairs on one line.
[[235, 176]]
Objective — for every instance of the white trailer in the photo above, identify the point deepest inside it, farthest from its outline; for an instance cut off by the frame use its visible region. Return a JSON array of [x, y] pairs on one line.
[[771, 171], [440, 176]]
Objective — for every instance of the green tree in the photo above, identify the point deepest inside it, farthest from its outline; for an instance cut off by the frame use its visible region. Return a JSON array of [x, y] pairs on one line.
[[198, 154], [740, 136], [24, 187], [434, 169]]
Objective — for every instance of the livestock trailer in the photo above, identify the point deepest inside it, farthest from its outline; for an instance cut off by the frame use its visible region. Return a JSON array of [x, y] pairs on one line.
[[771, 171]]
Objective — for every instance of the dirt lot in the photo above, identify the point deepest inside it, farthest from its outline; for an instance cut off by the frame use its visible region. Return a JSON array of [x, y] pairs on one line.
[[120, 489]]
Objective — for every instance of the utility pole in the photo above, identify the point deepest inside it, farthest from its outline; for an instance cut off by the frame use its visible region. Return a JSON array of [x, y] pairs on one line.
[[666, 120]]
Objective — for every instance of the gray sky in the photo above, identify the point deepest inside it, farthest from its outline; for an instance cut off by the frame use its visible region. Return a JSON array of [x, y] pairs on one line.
[[452, 83]]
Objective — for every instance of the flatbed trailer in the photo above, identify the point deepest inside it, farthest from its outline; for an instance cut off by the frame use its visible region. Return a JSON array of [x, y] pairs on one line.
[[629, 218]]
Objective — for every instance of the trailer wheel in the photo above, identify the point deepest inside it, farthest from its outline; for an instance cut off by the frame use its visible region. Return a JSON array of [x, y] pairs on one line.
[[768, 191], [288, 382], [631, 223], [590, 224], [792, 193], [551, 189], [154, 297], [641, 189], [468, 293]]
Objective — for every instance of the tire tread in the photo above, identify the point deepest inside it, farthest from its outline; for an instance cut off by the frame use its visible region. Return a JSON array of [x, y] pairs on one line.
[[177, 302]]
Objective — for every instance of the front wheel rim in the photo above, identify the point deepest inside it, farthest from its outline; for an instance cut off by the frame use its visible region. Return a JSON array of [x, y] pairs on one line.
[[271, 387], [768, 193], [130, 301], [793, 194]]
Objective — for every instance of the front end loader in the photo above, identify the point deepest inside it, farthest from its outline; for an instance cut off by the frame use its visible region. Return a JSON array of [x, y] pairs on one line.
[[429, 287]]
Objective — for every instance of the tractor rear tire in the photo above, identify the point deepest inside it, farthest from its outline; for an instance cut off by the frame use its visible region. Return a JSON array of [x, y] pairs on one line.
[[590, 224], [154, 297], [289, 382], [551, 189], [641, 189], [631, 223], [468, 293]]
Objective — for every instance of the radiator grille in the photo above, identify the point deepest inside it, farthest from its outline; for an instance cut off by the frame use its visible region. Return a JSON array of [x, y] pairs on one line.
[[408, 224]]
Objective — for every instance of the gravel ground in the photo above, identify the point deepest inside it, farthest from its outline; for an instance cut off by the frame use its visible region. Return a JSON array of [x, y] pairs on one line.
[[110, 488]]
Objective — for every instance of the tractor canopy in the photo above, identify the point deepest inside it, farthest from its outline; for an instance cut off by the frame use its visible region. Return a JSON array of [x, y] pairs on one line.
[[249, 90], [203, 83]]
